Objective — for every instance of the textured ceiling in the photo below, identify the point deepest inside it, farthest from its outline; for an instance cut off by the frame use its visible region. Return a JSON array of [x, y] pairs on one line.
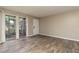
[[40, 11]]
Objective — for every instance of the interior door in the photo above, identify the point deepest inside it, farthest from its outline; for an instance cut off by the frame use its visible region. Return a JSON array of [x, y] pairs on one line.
[[35, 26]]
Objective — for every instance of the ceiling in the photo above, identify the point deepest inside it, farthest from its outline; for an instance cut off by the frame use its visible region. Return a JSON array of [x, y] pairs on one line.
[[40, 11]]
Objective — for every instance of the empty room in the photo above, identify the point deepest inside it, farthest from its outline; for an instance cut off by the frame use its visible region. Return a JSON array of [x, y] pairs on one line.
[[39, 29]]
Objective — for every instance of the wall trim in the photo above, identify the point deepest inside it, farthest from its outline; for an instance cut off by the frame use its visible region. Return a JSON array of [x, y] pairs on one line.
[[60, 37], [29, 35], [33, 35]]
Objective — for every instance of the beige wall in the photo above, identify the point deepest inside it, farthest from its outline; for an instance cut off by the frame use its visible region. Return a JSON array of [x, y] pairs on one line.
[[65, 25]]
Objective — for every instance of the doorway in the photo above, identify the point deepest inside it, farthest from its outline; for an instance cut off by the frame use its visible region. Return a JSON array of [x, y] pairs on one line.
[[10, 27], [22, 27]]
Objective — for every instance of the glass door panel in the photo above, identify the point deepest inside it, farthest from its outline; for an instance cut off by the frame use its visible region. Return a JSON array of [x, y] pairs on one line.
[[10, 26], [22, 26]]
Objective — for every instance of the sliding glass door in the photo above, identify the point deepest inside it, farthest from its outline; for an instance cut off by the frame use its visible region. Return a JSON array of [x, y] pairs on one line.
[[22, 26], [10, 26]]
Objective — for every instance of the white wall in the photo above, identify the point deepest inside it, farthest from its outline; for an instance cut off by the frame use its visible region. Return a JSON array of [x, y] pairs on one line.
[[65, 25], [30, 26], [2, 27], [35, 26]]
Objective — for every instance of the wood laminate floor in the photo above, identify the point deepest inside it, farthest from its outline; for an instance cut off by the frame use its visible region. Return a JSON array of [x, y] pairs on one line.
[[40, 44]]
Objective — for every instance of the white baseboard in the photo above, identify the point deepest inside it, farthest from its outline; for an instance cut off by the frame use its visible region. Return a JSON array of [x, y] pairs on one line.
[[32, 35], [29, 35], [60, 37]]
